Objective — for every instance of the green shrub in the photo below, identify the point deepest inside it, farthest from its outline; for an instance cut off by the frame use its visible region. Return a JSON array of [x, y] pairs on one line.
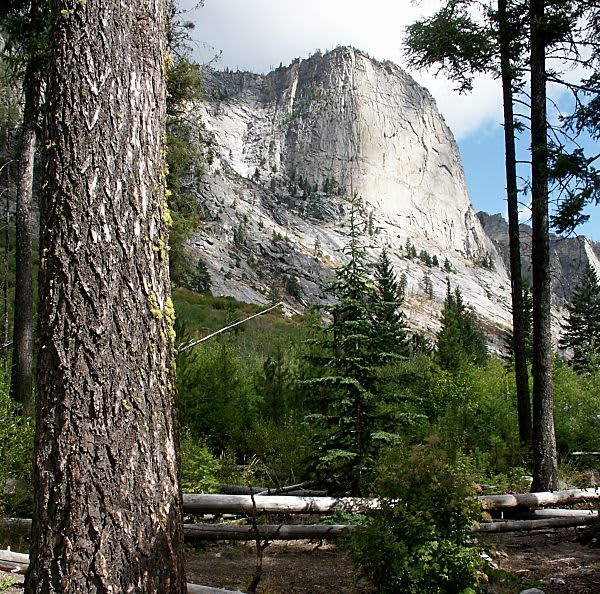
[[477, 415], [415, 543], [216, 399], [199, 469], [576, 410], [282, 448], [16, 455]]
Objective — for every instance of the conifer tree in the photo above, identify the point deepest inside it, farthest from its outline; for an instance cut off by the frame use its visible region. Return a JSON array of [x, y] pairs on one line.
[[387, 316], [581, 332], [459, 343], [345, 357]]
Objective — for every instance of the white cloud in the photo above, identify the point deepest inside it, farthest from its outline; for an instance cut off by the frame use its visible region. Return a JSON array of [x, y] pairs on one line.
[[478, 111]]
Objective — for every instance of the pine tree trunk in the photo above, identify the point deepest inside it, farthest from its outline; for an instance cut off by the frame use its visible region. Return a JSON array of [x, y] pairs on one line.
[[516, 277], [5, 262], [544, 441], [21, 380], [107, 510]]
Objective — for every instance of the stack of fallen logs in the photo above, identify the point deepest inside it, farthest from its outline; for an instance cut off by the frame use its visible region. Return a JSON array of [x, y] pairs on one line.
[[506, 512]]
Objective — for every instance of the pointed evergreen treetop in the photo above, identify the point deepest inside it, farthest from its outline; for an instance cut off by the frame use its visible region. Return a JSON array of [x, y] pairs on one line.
[[581, 331], [387, 315], [459, 343]]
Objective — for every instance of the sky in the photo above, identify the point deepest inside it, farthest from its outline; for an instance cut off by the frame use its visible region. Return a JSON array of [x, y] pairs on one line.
[[258, 35]]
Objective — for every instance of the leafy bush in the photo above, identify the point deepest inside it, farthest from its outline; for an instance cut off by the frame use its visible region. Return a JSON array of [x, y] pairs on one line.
[[216, 397], [415, 543], [476, 414], [16, 455], [577, 410], [199, 469], [282, 448]]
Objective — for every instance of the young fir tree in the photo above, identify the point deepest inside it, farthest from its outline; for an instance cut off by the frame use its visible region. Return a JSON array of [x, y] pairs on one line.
[[387, 315], [527, 325], [459, 343], [275, 384], [581, 332], [345, 357]]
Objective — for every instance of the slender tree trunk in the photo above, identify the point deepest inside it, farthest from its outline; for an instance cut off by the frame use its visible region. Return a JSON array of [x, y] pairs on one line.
[[21, 381], [544, 441], [516, 277], [107, 508], [5, 261]]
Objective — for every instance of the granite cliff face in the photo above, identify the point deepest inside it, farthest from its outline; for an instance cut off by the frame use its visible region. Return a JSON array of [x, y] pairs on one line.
[[568, 255], [287, 147]]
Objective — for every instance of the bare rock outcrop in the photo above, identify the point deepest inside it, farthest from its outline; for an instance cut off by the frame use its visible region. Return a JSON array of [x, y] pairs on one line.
[[287, 147]]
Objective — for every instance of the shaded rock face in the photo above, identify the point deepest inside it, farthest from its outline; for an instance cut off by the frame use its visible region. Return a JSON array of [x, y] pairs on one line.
[[286, 149], [568, 256]]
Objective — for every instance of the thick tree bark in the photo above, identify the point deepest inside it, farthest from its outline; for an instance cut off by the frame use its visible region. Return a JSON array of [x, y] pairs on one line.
[[544, 441], [107, 509], [21, 379], [516, 277]]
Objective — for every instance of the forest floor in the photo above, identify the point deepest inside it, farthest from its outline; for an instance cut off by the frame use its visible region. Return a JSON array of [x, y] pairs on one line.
[[554, 561]]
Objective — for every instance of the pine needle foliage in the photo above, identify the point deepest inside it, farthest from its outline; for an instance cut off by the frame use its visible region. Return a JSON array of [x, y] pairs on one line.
[[459, 343], [350, 417], [387, 316], [581, 331]]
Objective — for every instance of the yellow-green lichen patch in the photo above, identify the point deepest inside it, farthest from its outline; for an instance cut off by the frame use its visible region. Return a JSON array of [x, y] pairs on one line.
[[170, 317], [155, 307], [167, 218], [161, 248]]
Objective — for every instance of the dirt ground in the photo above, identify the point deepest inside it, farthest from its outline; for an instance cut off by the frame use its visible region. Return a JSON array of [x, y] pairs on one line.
[[555, 561], [552, 561]]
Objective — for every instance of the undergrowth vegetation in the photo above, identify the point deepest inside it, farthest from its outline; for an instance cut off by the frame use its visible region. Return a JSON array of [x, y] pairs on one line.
[[243, 395], [417, 541], [245, 405]]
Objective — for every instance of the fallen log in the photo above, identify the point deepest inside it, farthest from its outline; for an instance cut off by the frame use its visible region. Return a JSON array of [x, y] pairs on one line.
[[269, 504], [19, 526], [13, 567], [533, 514], [324, 532], [539, 499], [286, 504], [19, 562], [199, 532], [13, 562], [543, 523], [198, 589]]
